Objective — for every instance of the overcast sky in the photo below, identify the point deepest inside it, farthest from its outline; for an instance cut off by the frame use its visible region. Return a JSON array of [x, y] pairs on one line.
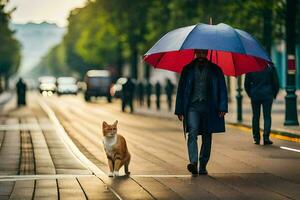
[[53, 11]]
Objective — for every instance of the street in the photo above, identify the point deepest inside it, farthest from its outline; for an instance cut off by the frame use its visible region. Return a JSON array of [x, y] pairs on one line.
[[118, 99], [37, 161]]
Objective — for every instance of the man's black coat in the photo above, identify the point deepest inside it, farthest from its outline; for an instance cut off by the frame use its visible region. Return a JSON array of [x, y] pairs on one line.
[[263, 85], [218, 101]]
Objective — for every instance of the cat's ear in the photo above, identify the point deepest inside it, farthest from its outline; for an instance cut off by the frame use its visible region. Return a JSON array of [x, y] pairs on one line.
[[104, 124], [116, 122]]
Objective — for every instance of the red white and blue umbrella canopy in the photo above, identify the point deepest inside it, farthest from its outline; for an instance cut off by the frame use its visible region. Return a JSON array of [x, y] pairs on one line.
[[235, 51]]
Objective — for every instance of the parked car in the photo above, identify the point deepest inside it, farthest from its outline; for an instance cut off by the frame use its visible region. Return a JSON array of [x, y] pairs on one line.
[[47, 85], [98, 84], [67, 85]]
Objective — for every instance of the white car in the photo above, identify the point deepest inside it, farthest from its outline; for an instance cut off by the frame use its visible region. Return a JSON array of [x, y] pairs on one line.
[[47, 85], [66, 85]]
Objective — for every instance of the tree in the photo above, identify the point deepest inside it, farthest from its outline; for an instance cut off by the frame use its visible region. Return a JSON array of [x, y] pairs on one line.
[[118, 32], [9, 48], [53, 63]]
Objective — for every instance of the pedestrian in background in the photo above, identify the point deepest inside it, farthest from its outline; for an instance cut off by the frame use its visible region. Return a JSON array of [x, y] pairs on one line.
[[21, 92], [128, 94], [201, 104], [169, 92], [140, 91], [158, 93], [262, 87], [148, 93]]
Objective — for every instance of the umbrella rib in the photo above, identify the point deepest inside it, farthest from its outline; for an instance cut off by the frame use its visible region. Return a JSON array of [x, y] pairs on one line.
[[158, 61], [233, 63], [188, 36], [255, 40], [255, 58], [240, 41]]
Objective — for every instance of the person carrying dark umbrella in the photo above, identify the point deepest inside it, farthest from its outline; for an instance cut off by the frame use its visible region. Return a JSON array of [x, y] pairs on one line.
[[201, 104], [21, 92], [201, 101]]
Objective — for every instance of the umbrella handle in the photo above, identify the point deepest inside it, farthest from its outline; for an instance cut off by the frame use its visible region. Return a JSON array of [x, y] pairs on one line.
[[210, 57], [211, 52]]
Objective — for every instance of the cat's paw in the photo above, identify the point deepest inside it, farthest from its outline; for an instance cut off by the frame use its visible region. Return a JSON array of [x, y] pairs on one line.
[[116, 173], [127, 173], [110, 174]]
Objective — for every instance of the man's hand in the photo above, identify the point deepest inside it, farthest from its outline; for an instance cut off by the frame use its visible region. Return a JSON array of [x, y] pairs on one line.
[[222, 114], [180, 117]]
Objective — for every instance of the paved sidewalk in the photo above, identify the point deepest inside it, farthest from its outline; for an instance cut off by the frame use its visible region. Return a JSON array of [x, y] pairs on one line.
[[237, 169], [5, 97], [35, 163], [278, 114]]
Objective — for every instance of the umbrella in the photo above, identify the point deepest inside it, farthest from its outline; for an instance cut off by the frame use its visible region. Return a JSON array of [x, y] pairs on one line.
[[234, 50]]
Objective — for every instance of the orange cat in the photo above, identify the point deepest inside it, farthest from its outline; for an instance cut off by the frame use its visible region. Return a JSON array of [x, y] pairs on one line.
[[116, 149]]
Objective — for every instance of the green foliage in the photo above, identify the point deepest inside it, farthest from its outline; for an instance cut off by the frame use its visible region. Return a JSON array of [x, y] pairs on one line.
[[97, 44], [10, 47], [112, 33]]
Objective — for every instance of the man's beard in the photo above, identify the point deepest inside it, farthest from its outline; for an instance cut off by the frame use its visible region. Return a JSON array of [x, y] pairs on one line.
[[202, 59]]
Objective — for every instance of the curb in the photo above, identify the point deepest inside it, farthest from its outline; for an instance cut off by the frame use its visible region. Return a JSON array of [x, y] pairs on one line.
[[280, 134]]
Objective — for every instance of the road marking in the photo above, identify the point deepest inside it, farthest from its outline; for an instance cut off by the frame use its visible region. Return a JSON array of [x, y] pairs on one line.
[[161, 176], [40, 177], [290, 149], [25, 127]]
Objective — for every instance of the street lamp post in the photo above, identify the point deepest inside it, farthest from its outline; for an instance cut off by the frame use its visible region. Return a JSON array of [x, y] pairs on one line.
[[229, 88], [291, 117], [239, 98]]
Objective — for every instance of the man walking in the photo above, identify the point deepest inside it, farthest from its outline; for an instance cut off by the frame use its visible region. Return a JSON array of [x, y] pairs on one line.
[[128, 94], [262, 87], [201, 104]]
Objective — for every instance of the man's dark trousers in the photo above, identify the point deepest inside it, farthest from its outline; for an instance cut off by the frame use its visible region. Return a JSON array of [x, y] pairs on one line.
[[267, 106], [197, 117]]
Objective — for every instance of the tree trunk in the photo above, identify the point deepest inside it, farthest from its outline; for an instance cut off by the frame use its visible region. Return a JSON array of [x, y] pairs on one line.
[[147, 72], [267, 26], [1, 86], [120, 60], [134, 61], [6, 80]]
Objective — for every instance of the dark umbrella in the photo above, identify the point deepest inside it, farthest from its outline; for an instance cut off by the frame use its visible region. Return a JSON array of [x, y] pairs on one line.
[[234, 50]]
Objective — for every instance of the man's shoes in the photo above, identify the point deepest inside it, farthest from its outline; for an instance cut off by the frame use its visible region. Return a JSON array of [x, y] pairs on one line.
[[256, 142], [202, 169], [268, 142], [192, 167], [203, 172]]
